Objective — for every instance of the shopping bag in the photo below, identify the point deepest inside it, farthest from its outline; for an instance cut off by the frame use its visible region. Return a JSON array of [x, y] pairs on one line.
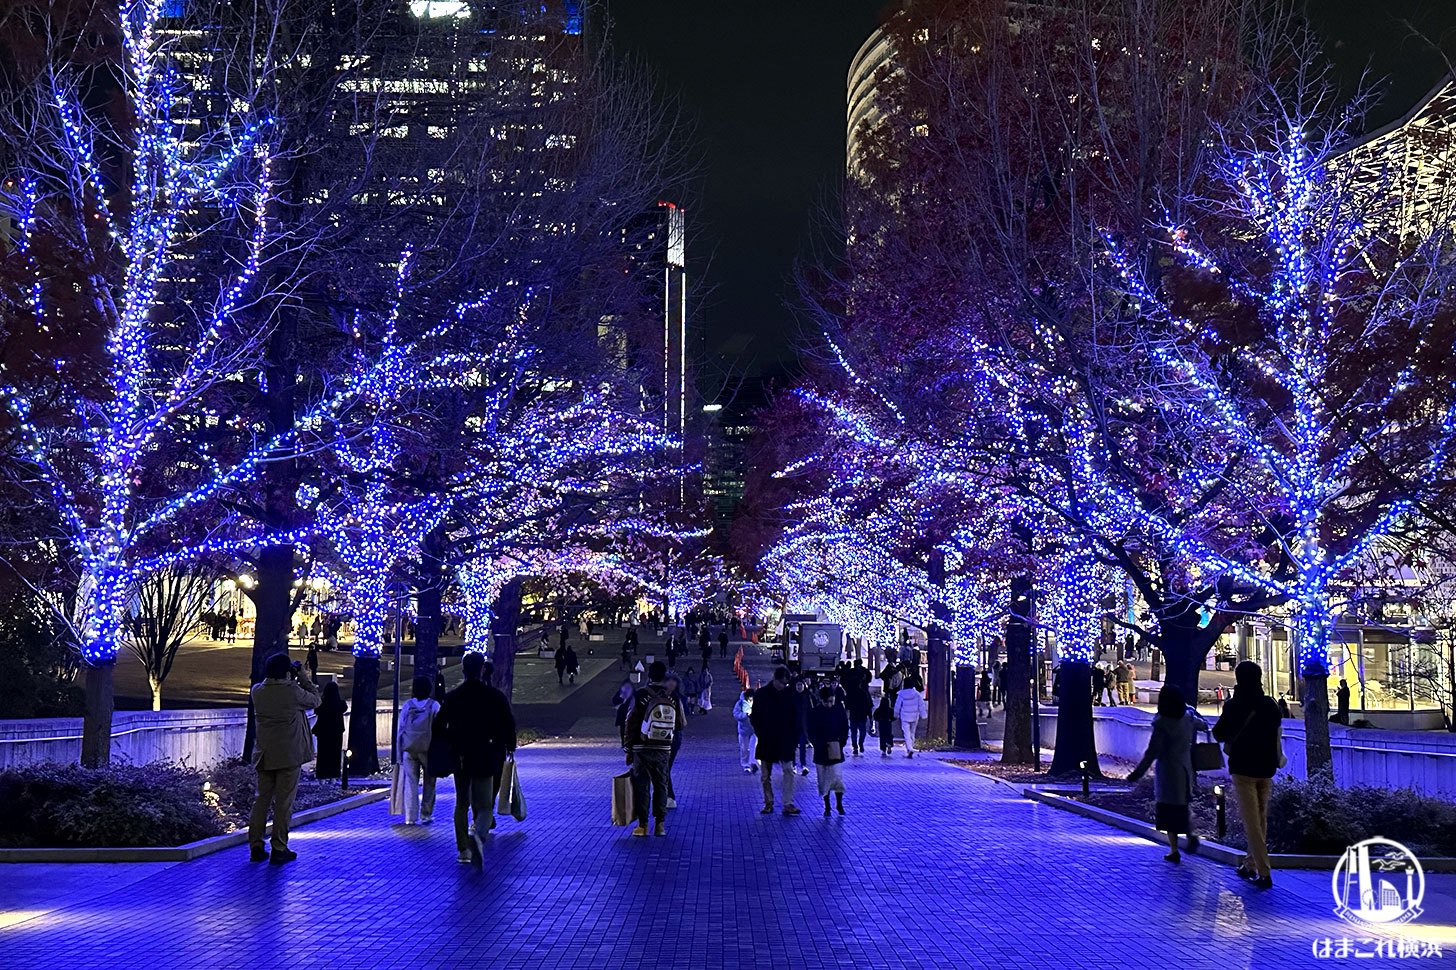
[[518, 801], [622, 808], [396, 790], [833, 752], [507, 783]]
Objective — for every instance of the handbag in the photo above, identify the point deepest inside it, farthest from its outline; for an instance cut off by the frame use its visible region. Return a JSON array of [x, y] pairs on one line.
[[1207, 755], [622, 808], [396, 790], [834, 752], [507, 785]]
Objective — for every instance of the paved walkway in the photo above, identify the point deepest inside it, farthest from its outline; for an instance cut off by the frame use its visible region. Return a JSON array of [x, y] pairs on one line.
[[933, 867]]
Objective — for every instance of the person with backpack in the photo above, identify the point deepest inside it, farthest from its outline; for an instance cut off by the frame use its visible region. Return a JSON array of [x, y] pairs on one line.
[[909, 709], [654, 721], [1250, 728], [743, 716], [775, 719], [416, 730], [884, 725], [477, 721], [829, 731]]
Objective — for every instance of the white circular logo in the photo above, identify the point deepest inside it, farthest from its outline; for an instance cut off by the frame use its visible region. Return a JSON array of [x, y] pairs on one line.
[[1378, 881], [821, 639]]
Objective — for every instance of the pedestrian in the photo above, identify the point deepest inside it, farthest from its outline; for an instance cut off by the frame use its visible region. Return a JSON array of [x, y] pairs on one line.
[[829, 731], [310, 661], [859, 706], [803, 700], [476, 719], [743, 716], [1250, 728], [707, 655], [690, 688], [573, 665], [1342, 704], [775, 719], [909, 709], [1171, 747], [1284, 710], [674, 687], [280, 712], [561, 664], [328, 727], [1109, 676], [983, 697], [626, 655], [1127, 682], [884, 721], [1099, 684], [622, 702], [315, 629], [705, 691], [723, 643], [416, 730], [232, 626], [651, 728]]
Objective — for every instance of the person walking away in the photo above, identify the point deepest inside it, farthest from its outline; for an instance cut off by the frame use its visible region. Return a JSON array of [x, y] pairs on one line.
[[561, 663], [707, 654], [280, 711], [705, 691], [476, 719], [416, 729], [775, 720], [1249, 728], [626, 655], [651, 728], [805, 701], [983, 695], [909, 709], [859, 706], [1171, 748], [311, 661], [1127, 682], [723, 643], [690, 688], [884, 721], [829, 731], [1099, 684], [1110, 679], [742, 716], [573, 665], [328, 727]]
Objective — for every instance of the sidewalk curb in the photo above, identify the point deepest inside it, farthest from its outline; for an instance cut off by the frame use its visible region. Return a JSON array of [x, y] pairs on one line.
[[1207, 848], [190, 851]]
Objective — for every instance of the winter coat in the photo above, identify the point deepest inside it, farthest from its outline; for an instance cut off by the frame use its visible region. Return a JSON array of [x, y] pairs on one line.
[[859, 703], [741, 709], [1250, 728], [909, 705], [280, 711], [1171, 746], [775, 720], [828, 723], [477, 720], [416, 725]]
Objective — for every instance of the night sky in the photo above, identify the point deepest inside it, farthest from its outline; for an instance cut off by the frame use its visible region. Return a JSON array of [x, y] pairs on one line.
[[763, 84]]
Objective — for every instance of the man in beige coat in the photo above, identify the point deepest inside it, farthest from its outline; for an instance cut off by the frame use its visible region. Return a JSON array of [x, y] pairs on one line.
[[284, 745]]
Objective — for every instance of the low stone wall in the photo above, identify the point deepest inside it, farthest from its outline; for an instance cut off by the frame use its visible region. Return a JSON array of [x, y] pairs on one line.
[[200, 738], [1424, 761]]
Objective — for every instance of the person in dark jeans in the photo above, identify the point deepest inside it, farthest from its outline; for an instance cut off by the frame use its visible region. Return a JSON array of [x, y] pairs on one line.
[[860, 706], [804, 701], [476, 719], [723, 643], [1250, 728], [651, 727]]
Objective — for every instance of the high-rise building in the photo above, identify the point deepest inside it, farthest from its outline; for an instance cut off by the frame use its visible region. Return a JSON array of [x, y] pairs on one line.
[[727, 430], [655, 252]]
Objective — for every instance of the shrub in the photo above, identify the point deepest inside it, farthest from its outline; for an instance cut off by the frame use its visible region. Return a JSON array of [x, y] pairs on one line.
[[67, 805], [1315, 817]]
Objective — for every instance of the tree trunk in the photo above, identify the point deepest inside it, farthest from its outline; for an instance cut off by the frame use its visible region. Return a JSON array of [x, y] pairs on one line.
[[505, 619], [1076, 740], [1016, 742], [1318, 758], [156, 693], [427, 605], [273, 601], [1185, 649], [363, 730], [100, 707], [937, 679], [967, 731]]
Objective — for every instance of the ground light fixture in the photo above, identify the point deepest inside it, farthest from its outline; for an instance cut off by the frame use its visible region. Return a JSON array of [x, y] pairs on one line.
[[1086, 778], [1220, 815]]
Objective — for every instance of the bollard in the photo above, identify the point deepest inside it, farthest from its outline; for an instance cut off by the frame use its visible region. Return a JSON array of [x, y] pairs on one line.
[[344, 770], [1220, 811], [1086, 778]]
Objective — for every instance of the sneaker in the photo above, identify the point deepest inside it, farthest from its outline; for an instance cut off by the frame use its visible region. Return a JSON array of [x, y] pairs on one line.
[[672, 803], [766, 810], [791, 810], [640, 832], [748, 771], [1173, 857], [463, 857], [281, 856], [426, 820], [257, 854], [660, 828]]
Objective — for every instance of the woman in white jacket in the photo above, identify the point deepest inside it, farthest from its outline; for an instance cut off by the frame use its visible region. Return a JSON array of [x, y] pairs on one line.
[[909, 709], [416, 728]]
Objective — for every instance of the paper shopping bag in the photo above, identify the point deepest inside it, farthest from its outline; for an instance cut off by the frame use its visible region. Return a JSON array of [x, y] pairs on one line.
[[622, 808]]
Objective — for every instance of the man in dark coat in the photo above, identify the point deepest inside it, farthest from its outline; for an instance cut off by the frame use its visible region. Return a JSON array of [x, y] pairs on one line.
[[775, 721], [653, 726], [860, 706], [477, 720], [1249, 728]]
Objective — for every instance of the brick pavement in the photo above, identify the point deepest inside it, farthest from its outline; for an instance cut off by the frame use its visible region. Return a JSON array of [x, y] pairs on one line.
[[933, 867]]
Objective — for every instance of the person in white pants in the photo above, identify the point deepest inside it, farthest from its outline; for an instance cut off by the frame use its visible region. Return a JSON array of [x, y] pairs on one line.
[[909, 709], [416, 728], [742, 711]]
